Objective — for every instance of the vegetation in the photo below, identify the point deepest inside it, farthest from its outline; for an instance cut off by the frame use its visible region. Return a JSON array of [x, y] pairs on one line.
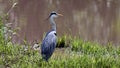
[[71, 53]]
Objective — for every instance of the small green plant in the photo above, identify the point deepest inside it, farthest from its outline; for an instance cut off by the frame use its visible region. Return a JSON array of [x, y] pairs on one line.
[[63, 41], [1, 32]]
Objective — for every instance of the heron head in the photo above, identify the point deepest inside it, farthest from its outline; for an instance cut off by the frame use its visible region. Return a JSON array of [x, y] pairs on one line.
[[54, 14]]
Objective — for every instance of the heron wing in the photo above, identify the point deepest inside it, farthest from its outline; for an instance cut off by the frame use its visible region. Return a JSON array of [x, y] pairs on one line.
[[48, 45]]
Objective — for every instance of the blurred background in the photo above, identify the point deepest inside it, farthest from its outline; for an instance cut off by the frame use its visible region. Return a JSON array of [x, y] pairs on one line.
[[93, 20]]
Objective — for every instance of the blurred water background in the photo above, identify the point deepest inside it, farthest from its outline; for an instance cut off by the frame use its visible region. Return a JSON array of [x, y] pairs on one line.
[[94, 20]]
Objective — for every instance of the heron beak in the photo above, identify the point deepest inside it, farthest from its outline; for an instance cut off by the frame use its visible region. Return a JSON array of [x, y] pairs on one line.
[[59, 14]]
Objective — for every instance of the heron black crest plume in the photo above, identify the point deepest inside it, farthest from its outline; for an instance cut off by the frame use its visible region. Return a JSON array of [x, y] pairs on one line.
[[52, 13]]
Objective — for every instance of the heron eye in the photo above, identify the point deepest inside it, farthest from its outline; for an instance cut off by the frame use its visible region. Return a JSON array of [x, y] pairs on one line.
[[55, 34]]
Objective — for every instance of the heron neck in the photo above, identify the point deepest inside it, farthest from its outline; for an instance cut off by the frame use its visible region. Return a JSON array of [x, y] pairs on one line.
[[52, 22]]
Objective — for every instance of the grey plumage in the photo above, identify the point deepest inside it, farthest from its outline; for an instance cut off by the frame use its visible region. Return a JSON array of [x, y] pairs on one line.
[[49, 42], [48, 45]]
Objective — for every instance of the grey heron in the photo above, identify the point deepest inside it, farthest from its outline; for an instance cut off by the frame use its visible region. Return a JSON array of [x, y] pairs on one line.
[[49, 42]]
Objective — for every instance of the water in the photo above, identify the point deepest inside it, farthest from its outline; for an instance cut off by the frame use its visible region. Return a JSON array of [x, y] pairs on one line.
[[95, 20]]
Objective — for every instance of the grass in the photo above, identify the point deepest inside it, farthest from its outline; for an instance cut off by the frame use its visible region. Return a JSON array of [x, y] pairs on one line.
[[70, 53], [81, 54]]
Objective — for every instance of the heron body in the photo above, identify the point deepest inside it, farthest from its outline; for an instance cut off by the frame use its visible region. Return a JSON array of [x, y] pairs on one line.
[[49, 42], [48, 45]]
